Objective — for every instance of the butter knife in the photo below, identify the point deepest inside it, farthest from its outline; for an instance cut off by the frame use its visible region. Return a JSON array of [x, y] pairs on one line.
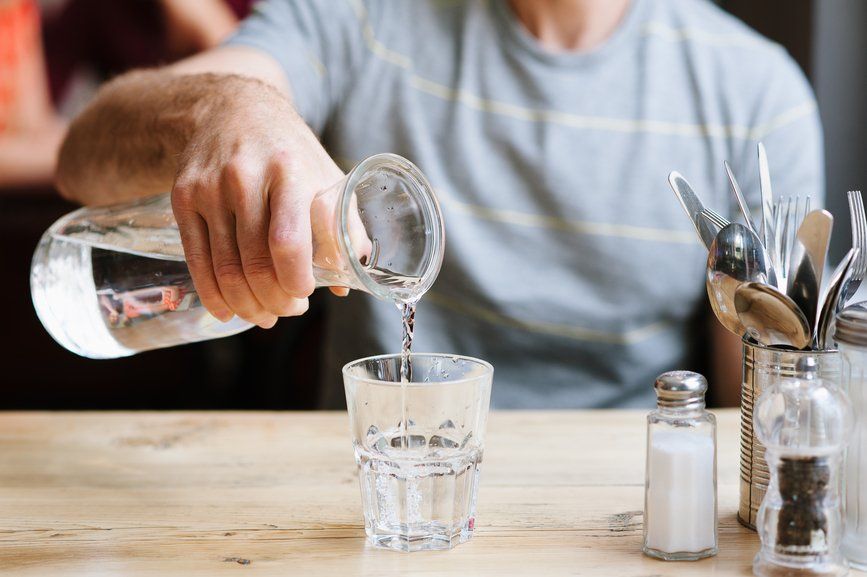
[[808, 263], [767, 225], [692, 206], [742, 202]]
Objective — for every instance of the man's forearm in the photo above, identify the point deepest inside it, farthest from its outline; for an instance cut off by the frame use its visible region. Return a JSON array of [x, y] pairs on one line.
[[129, 140]]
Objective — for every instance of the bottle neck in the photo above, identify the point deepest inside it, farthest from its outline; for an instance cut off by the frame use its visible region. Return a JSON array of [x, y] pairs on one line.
[[681, 410]]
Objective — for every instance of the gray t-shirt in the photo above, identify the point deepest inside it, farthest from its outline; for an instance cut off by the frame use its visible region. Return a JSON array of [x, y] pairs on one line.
[[569, 263]]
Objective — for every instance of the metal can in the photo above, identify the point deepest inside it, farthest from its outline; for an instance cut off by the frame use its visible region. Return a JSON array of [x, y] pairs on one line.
[[764, 366]]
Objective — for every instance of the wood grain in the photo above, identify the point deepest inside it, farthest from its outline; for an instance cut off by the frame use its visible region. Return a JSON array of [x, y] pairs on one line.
[[275, 494]]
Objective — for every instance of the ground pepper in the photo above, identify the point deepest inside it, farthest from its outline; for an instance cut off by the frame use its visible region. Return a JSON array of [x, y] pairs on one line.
[[802, 526]]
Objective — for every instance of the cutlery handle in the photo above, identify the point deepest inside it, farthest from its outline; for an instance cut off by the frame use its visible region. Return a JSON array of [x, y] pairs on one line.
[[739, 196], [767, 205]]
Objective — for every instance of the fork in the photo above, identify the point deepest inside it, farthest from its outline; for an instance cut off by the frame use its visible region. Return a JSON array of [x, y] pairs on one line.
[[788, 214], [859, 241], [714, 218]]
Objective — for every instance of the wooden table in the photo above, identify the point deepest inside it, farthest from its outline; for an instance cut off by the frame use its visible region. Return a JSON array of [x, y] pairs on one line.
[[276, 494]]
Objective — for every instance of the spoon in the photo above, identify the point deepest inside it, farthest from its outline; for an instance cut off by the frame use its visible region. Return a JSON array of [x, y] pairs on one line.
[[736, 256], [771, 317], [832, 298]]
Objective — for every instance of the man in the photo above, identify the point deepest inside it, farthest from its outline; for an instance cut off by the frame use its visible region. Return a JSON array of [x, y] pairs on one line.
[[548, 128]]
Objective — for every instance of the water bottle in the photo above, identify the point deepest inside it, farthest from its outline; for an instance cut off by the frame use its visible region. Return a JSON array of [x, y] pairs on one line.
[[111, 281]]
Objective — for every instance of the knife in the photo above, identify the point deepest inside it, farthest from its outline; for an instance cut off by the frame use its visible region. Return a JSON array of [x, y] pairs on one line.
[[742, 202], [692, 206], [767, 227], [808, 263]]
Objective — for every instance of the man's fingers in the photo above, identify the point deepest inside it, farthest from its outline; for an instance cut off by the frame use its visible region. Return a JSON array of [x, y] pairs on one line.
[[289, 234], [197, 251], [252, 223], [297, 307], [252, 245], [229, 271]]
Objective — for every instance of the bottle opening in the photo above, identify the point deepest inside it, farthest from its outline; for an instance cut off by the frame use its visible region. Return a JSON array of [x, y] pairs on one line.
[[392, 228]]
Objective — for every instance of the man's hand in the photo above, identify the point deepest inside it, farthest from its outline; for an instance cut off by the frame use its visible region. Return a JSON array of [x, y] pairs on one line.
[[243, 168], [243, 197]]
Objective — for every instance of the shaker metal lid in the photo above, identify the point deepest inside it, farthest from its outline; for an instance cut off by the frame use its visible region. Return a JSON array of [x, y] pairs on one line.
[[808, 366], [851, 325], [680, 387]]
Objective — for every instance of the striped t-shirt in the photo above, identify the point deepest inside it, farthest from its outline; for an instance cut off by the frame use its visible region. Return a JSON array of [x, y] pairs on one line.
[[569, 263]]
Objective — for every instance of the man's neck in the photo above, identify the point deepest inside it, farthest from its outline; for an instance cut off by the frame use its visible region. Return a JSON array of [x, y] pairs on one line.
[[570, 25]]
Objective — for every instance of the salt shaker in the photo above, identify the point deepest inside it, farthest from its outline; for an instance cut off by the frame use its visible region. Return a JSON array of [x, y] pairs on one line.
[[680, 509], [804, 423]]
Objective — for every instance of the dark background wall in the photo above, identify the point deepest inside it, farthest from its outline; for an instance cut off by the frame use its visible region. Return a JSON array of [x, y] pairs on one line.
[[839, 76], [277, 368]]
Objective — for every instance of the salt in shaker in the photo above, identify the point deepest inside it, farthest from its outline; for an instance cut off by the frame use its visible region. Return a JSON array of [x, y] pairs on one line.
[[680, 509]]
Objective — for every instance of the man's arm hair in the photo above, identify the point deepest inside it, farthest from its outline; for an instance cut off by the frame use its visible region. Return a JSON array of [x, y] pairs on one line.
[[128, 141]]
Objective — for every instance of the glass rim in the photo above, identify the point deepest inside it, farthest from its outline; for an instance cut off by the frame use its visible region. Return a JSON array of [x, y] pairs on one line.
[[489, 370], [428, 202]]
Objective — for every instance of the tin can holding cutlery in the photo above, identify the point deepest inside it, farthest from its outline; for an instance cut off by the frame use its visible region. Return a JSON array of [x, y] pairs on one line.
[[762, 367]]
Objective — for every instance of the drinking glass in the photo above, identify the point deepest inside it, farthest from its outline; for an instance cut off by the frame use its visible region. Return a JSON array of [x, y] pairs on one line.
[[418, 446]]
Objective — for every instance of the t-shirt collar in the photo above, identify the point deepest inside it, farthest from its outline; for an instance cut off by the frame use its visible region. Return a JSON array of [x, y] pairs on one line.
[[518, 35]]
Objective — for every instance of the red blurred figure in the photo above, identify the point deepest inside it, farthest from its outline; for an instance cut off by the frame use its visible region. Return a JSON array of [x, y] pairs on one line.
[[30, 131], [105, 35]]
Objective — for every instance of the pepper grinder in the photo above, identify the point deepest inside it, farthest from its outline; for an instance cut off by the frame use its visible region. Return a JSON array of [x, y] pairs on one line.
[[680, 509], [804, 423]]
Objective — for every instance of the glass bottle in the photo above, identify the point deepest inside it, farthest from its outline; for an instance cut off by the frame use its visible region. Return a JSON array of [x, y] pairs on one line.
[[851, 338], [111, 281], [680, 505], [804, 423]]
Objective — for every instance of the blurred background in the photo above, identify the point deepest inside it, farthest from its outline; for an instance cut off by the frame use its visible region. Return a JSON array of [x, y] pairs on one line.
[[59, 51]]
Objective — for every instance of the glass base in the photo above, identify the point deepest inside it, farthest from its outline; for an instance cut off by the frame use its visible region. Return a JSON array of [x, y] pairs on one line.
[[432, 538], [680, 555], [418, 505], [855, 551], [763, 567]]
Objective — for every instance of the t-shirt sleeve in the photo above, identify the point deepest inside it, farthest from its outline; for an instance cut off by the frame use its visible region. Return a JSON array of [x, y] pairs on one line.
[[317, 43]]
